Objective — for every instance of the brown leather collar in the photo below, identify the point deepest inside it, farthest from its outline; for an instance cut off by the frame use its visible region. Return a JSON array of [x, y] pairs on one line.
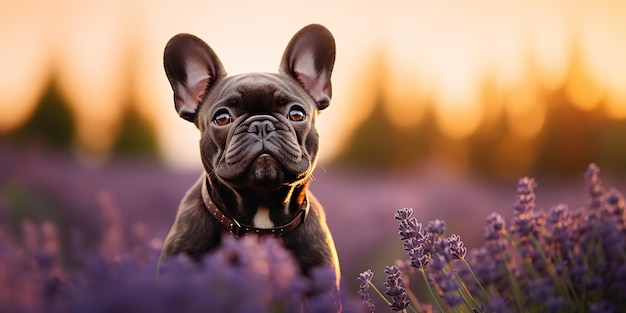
[[240, 229]]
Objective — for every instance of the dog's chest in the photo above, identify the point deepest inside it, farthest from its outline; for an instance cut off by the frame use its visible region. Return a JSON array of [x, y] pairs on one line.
[[262, 218]]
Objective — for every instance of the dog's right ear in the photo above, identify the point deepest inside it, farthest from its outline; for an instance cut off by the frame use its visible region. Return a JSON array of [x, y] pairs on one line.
[[191, 67]]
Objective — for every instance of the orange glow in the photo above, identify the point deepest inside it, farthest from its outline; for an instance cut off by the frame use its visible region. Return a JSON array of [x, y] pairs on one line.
[[525, 112], [584, 92], [23, 64], [94, 88], [617, 104], [408, 96], [436, 53]]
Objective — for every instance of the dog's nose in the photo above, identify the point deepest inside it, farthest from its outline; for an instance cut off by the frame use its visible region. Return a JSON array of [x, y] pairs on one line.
[[261, 128]]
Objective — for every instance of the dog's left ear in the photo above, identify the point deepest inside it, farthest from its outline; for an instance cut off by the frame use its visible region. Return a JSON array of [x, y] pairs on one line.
[[309, 58]]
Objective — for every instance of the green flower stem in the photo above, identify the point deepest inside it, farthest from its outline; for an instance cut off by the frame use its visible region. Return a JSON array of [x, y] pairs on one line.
[[465, 289], [466, 301], [378, 292], [432, 293], [519, 299], [476, 279]]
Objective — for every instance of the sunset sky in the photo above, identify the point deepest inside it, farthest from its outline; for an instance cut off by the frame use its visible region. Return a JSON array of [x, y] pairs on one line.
[[105, 52]]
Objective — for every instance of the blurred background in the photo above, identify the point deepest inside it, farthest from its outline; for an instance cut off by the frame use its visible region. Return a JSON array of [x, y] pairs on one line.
[[437, 105]]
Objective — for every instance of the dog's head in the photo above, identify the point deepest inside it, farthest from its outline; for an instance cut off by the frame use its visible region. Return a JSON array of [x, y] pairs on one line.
[[257, 130]]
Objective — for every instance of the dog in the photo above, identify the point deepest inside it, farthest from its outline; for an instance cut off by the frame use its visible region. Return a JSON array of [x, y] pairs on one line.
[[258, 147]]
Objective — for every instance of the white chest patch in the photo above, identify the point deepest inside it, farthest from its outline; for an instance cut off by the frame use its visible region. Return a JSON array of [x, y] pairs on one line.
[[262, 218]]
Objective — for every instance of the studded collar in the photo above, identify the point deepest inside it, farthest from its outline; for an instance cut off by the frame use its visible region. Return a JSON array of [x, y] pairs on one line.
[[240, 229]]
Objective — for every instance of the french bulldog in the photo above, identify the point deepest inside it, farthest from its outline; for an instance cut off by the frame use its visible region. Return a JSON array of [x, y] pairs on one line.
[[258, 147]]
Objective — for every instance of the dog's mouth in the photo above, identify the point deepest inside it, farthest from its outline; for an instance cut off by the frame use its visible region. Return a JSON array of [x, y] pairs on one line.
[[264, 159]]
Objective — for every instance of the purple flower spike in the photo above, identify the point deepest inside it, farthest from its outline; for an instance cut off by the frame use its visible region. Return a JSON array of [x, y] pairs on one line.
[[559, 223], [399, 298], [403, 213], [594, 188], [456, 247], [410, 229], [616, 205], [524, 220], [495, 225], [525, 195], [437, 227], [419, 259], [494, 237], [365, 278]]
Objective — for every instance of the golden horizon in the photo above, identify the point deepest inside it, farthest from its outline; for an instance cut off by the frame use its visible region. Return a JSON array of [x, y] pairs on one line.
[[435, 54]]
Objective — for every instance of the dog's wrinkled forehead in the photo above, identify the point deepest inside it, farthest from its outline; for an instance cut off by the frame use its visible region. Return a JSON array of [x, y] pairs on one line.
[[260, 92]]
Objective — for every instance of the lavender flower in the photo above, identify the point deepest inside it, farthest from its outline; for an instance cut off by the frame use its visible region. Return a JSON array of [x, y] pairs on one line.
[[419, 259], [494, 234], [560, 260], [410, 229], [403, 214], [413, 238], [526, 228], [247, 275], [364, 279], [457, 247], [436, 227], [555, 261], [594, 187], [394, 288], [559, 224], [525, 196], [495, 226], [616, 206], [524, 219], [434, 232], [411, 232]]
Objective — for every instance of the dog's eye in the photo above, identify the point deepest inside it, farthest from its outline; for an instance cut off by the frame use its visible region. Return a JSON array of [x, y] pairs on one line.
[[297, 115], [222, 119]]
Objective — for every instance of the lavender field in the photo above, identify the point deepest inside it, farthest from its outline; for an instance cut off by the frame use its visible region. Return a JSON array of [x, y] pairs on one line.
[[76, 239]]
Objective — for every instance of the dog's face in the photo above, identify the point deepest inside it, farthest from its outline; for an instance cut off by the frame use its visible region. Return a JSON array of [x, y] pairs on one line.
[[257, 130]]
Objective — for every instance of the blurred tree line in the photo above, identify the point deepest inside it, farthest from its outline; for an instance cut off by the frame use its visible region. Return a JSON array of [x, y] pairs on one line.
[[52, 125], [570, 138]]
